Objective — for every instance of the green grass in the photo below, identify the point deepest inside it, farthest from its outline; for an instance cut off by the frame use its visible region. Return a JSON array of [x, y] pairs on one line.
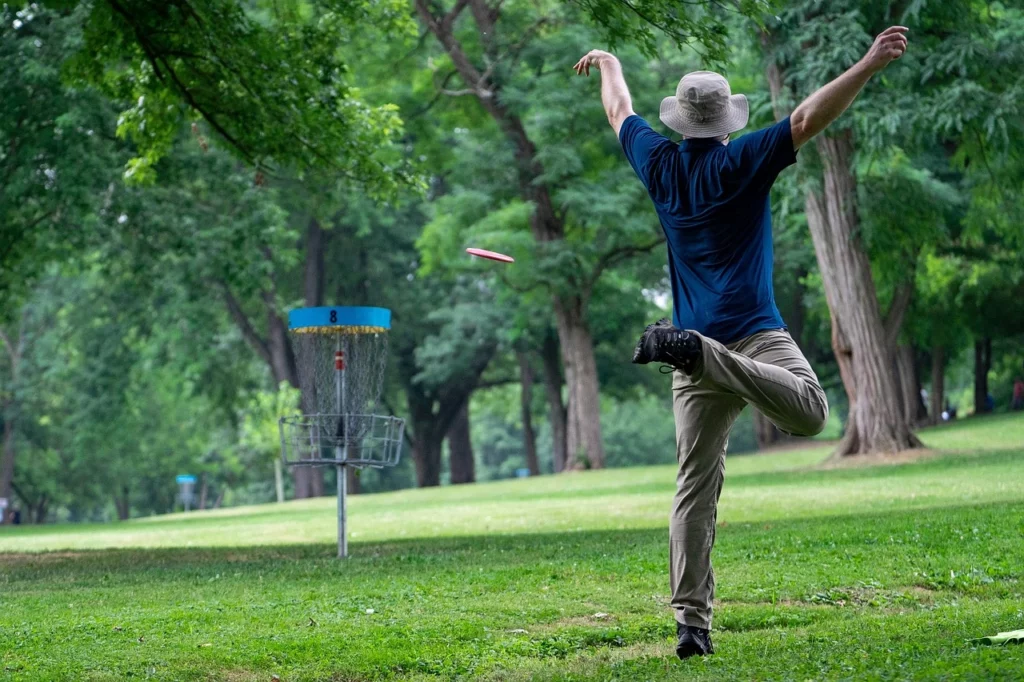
[[857, 572]]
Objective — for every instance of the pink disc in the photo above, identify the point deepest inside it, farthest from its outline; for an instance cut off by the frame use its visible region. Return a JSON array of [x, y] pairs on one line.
[[493, 255]]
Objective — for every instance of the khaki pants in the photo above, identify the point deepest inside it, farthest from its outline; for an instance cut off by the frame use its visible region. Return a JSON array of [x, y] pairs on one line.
[[766, 370]]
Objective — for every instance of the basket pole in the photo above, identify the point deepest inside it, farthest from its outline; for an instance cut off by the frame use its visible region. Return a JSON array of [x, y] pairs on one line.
[[341, 451]]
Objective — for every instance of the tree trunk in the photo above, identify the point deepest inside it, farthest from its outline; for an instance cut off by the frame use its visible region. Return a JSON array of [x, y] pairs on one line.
[[352, 475], [426, 455], [583, 439], [42, 507], [123, 504], [938, 397], [860, 339], [7, 457], [982, 364], [556, 409], [202, 491], [460, 448], [765, 433], [910, 384], [526, 409]]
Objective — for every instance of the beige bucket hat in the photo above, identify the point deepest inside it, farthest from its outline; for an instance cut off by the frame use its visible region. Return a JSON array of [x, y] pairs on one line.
[[704, 106]]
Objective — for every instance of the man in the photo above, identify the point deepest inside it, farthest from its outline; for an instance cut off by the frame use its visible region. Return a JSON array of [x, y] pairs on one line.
[[727, 343]]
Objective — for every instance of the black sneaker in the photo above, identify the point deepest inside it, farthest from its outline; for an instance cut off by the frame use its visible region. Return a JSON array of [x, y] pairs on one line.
[[692, 641], [661, 342]]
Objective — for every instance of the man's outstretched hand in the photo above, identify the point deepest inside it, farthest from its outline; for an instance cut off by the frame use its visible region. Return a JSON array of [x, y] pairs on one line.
[[889, 45], [593, 58]]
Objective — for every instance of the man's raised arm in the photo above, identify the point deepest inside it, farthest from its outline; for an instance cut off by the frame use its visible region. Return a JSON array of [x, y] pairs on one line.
[[819, 110], [618, 105]]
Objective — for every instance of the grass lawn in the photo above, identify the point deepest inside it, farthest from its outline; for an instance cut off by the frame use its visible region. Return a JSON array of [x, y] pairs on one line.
[[881, 571]]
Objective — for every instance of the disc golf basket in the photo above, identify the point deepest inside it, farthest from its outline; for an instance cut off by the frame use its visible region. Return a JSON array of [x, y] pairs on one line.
[[341, 354]]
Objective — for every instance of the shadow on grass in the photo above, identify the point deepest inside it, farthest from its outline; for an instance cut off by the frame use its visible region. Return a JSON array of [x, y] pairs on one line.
[[990, 532]]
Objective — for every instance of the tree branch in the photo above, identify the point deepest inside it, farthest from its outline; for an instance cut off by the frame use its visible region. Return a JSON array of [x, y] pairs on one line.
[[157, 62], [494, 383], [258, 343], [897, 311], [617, 255], [9, 346]]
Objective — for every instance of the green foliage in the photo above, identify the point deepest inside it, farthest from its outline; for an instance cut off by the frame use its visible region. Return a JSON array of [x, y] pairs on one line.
[[271, 84], [57, 156], [703, 26]]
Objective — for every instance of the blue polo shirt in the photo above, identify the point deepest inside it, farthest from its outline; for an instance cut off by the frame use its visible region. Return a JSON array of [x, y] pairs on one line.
[[712, 201]]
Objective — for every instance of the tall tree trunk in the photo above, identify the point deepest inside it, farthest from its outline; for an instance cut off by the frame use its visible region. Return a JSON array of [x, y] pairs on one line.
[[583, 440], [460, 448], [982, 364], [426, 455], [860, 339], [550, 355], [938, 397], [7, 423], [122, 503], [526, 410], [910, 384]]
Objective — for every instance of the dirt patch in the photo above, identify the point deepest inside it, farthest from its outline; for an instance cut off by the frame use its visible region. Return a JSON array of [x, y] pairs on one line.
[[879, 459], [11, 559], [586, 664], [793, 446], [597, 619]]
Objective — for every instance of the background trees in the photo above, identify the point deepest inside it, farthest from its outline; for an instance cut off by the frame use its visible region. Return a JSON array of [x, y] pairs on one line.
[[177, 176]]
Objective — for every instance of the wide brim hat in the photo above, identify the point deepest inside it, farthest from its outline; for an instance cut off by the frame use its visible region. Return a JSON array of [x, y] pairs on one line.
[[704, 106]]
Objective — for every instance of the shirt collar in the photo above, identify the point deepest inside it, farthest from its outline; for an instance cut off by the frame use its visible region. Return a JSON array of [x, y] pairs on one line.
[[701, 143]]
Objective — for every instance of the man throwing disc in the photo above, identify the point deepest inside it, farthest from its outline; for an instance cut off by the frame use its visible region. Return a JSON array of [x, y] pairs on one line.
[[727, 342]]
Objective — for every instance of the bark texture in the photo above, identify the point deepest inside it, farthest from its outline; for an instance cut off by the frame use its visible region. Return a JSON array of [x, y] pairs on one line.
[[556, 408], [766, 434], [460, 448], [861, 342], [914, 411], [982, 365], [938, 394], [525, 406]]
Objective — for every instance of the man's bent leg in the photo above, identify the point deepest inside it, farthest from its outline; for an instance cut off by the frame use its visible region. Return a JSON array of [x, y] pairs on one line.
[[768, 371], [703, 418]]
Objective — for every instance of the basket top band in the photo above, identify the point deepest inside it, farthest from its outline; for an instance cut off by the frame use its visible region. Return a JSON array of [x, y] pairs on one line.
[[344, 320]]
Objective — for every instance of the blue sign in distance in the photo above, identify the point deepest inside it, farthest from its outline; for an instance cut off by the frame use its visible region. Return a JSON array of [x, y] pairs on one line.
[[185, 478]]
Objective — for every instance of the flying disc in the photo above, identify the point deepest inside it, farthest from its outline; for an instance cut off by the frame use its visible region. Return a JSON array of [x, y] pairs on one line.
[[493, 255]]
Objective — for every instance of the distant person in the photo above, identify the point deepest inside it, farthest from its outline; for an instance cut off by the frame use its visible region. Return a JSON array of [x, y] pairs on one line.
[[990, 403], [1017, 403], [727, 342]]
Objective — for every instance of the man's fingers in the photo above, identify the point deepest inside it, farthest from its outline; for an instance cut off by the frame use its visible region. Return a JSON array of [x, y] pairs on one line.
[[894, 30]]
